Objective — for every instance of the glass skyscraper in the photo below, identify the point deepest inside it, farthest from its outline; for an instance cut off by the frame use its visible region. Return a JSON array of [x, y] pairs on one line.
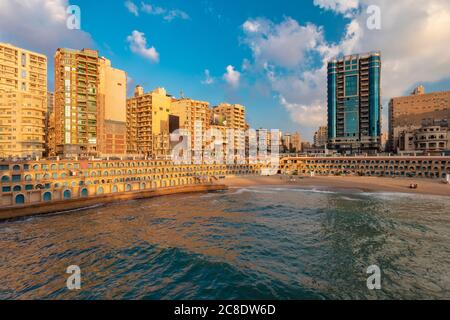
[[354, 103]]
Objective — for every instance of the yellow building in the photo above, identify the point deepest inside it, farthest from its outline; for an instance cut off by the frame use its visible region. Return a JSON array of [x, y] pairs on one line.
[[90, 105], [23, 102], [233, 117], [194, 117], [148, 123], [76, 102], [113, 106]]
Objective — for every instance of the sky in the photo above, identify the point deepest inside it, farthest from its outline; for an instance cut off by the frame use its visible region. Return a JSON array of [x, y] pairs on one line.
[[269, 56]]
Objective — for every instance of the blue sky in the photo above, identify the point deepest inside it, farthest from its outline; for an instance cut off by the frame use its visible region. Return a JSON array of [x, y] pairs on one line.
[[274, 50]]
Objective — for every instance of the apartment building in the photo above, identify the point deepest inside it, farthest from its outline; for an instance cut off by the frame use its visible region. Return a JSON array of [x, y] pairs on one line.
[[148, 123], [321, 137], [23, 102], [195, 119], [77, 110], [233, 117]]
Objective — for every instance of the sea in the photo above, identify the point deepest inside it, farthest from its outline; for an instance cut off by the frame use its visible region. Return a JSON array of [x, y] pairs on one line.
[[261, 242]]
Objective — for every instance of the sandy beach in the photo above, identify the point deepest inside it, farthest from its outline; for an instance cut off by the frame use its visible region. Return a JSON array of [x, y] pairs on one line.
[[366, 184]]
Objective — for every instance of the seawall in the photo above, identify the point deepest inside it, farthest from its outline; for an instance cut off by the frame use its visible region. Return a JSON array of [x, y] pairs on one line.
[[13, 212]]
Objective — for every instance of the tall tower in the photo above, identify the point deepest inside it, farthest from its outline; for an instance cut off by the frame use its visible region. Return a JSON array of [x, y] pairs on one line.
[[354, 103], [23, 102]]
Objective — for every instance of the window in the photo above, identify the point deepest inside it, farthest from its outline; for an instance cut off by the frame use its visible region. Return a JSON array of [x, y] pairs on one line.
[[24, 60], [23, 74], [351, 85]]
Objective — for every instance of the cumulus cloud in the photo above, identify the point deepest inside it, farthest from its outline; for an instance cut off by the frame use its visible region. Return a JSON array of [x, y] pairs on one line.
[[40, 25], [138, 45], [292, 57], [232, 76], [166, 14], [208, 78]]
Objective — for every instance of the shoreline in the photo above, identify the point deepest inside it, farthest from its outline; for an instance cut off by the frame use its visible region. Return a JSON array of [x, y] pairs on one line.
[[43, 208], [365, 184]]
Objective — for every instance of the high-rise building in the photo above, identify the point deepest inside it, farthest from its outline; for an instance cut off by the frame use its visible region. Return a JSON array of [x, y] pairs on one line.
[[321, 137], [195, 118], [407, 113], [112, 130], [233, 117], [77, 110], [149, 122], [90, 105], [23, 102], [354, 103]]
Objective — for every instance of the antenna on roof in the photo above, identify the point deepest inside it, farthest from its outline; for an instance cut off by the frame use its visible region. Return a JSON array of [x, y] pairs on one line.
[[181, 94]]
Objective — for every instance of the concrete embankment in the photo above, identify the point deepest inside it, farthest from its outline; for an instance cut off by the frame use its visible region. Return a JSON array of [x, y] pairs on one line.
[[41, 208]]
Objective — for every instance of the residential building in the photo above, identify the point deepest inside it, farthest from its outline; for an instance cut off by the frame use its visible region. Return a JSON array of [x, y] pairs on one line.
[[112, 92], [321, 137], [354, 103], [407, 113], [195, 119], [232, 116], [50, 108], [148, 123], [433, 137], [78, 108], [296, 141], [23, 102]]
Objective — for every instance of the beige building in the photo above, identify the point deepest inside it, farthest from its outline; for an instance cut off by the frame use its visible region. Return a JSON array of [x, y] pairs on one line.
[[321, 137], [296, 141], [23, 102], [232, 116], [90, 105], [148, 123], [432, 137], [407, 113], [195, 117], [113, 103]]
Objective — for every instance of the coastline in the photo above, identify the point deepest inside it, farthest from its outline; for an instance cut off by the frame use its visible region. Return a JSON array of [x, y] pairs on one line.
[[365, 184], [14, 212]]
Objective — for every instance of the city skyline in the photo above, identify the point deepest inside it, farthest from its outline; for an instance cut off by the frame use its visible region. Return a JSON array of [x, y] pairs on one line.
[[175, 45]]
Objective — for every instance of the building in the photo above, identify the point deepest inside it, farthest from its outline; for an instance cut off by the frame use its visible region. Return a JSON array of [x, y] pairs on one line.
[[287, 142], [148, 123], [195, 119], [432, 137], [296, 141], [377, 166], [23, 102], [90, 105], [407, 113], [50, 108], [112, 92], [77, 105], [354, 103], [321, 137], [232, 116]]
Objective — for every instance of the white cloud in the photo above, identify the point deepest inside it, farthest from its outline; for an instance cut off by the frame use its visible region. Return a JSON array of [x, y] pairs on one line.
[[208, 78], [132, 8], [40, 25], [138, 45], [232, 76], [346, 7], [413, 42], [166, 14]]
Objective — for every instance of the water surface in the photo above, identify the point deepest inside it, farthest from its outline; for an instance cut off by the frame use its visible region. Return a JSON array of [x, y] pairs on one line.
[[246, 243]]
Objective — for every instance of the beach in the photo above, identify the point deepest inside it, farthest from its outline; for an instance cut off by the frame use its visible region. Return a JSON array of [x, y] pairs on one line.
[[366, 184]]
